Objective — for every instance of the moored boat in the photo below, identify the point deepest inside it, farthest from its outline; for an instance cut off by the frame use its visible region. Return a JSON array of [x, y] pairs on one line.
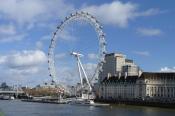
[[87, 102]]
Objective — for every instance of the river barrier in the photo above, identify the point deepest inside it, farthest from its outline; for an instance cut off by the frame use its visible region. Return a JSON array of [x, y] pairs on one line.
[[140, 102]]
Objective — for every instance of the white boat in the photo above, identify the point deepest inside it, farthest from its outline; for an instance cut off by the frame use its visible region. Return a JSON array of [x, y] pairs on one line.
[[7, 97], [11, 98], [87, 102]]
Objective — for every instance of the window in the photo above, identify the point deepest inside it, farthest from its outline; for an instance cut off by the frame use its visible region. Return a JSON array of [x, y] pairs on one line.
[[161, 89]]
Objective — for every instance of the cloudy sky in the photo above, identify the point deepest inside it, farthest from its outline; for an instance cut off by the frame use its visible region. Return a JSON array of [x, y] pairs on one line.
[[141, 29]]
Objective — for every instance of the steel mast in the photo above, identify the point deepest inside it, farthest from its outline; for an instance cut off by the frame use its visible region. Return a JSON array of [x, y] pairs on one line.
[[80, 68]]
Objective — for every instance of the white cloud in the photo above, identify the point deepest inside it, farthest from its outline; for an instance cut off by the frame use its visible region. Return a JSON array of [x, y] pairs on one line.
[[23, 59], [70, 75], [9, 33], [2, 59], [46, 37], [92, 56], [149, 31], [150, 12], [21, 11], [24, 71], [118, 13], [32, 11], [36, 12], [7, 29], [25, 76], [23, 67], [12, 38], [39, 45], [29, 11], [67, 35], [27, 14], [142, 53], [60, 55], [167, 69], [90, 66], [31, 66]]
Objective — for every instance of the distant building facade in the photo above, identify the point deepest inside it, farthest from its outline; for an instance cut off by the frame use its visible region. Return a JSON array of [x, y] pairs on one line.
[[122, 79], [117, 65], [156, 85]]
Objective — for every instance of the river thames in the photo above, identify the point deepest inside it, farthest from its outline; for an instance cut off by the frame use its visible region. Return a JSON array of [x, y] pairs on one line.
[[18, 108]]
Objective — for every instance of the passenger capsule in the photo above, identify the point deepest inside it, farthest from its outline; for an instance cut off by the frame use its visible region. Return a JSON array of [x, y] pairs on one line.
[[104, 52], [71, 14], [104, 43], [101, 27], [102, 35], [93, 17], [67, 18], [58, 27], [61, 22]]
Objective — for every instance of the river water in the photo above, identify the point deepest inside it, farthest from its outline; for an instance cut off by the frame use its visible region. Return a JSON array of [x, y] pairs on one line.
[[18, 108]]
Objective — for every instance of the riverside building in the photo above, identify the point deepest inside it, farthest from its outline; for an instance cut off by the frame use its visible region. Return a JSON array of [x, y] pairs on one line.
[[122, 79]]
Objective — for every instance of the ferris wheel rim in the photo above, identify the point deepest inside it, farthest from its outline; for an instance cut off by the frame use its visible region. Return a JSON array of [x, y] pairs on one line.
[[100, 35]]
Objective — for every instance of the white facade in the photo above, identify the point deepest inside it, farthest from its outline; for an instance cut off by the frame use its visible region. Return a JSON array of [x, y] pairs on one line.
[[158, 85], [155, 86], [122, 79], [117, 65], [117, 90]]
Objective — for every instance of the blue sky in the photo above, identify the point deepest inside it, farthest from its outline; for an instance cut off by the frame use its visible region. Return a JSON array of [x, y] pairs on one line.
[[141, 29]]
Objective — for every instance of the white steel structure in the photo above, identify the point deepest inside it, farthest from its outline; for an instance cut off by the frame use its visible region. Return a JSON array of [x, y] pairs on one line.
[[78, 16], [80, 68]]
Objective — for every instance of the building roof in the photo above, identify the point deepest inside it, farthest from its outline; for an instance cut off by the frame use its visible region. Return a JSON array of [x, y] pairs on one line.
[[158, 74], [121, 79], [116, 54], [129, 60], [143, 75]]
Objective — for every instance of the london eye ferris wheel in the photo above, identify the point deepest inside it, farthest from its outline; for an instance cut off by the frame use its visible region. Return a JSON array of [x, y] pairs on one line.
[[85, 17]]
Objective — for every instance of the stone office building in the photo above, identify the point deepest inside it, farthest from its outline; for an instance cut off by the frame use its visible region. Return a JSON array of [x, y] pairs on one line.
[[157, 85], [122, 79]]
